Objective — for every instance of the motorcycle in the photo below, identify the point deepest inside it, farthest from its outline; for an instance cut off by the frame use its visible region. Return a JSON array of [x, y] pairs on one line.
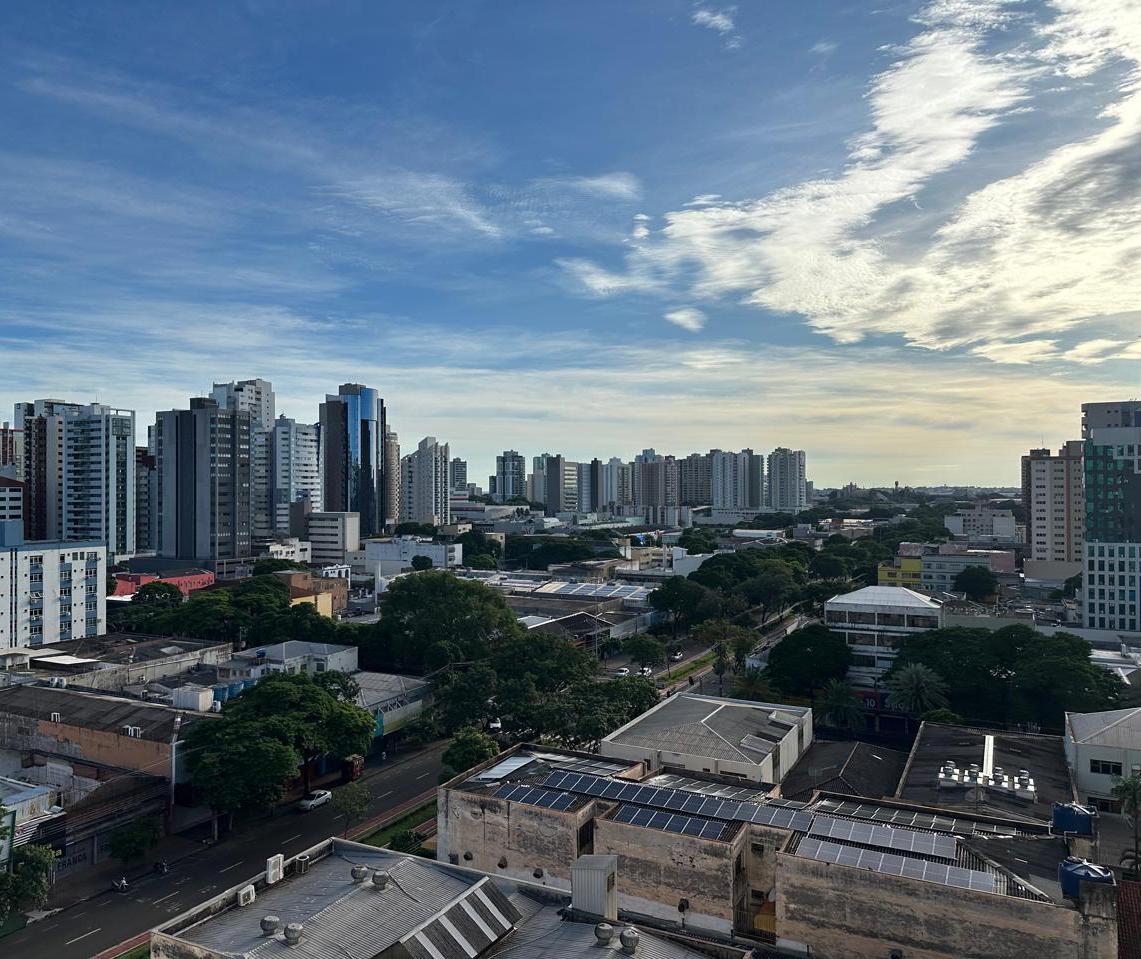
[[161, 868], [120, 885]]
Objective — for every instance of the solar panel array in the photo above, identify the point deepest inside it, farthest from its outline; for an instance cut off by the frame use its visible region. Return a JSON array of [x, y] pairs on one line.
[[673, 822], [892, 865], [596, 590], [720, 790], [533, 796], [681, 801], [905, 817], [886, 837]]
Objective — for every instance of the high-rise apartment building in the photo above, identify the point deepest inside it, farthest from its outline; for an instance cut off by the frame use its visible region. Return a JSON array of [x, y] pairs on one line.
[[696, 477], [1053, 496], [561, 485], [202, 455], [737, 480], [99, 478], [146, 501], [50, 591], [1111, 433], [424, 489], [391, 475], [12, 502], [787, 489], [510, 476], [295, 468], [656, 480], [353, 432], [537, 481], [12, 450], [41, 422], [617, 483], [457, 475], [255, 397]]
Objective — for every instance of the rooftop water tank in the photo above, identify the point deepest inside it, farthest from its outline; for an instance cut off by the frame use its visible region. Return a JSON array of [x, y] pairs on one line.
[[1072, 818], [1072, 872]]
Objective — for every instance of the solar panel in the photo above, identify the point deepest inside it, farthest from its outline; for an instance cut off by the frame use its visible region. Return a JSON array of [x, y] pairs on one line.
[[899, 817], [534, 796], [894, 865], [886, 837], [672, 822]]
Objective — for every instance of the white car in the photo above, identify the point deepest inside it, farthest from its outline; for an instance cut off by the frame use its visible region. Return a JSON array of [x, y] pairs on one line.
[[677, 656], [645, 671], [622, 672], [315, 799]]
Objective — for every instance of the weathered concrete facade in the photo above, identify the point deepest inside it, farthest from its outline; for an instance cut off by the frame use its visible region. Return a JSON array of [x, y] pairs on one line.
[[850, 913]]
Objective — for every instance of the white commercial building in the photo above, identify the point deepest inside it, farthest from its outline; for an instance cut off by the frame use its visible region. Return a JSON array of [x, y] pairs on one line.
[[49, 590], [982, 523], [873, 620], [425, 496], [332, 536], [1053, 496], [386, 557], [754, 742], [1103, 748], [295, 468], [99, 478], [787, 489]]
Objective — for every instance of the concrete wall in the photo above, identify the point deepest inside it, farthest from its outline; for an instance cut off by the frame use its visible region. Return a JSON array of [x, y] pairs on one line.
[[848, 913], [662, 866], [120, 675], [112, 749]]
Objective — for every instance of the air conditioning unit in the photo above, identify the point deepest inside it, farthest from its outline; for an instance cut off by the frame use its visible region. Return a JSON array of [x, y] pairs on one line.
[[274, 869], [246, 895], [56, 718]]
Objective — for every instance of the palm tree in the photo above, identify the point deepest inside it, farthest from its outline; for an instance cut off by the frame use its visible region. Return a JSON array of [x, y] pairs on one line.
[[840, 706], [916, 688], [1128, 792], [751, 684], [720, 664]]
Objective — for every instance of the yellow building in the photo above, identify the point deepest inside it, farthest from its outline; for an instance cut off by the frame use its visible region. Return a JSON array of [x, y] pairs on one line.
[[902, 571]]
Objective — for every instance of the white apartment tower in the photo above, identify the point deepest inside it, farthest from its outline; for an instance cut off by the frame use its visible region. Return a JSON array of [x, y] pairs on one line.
[[736, 480], [424, 493], [99, 478], [255, 397], [295, 468], [1053, 496], [787, 490]]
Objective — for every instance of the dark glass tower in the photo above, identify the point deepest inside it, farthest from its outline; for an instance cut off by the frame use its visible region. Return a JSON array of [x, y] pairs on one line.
[[352, 446]]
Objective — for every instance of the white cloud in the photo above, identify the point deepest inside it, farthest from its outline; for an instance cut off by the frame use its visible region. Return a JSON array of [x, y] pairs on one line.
[[719, 20], [617, 186], [688, 318], [1017, 264], [824, 48]]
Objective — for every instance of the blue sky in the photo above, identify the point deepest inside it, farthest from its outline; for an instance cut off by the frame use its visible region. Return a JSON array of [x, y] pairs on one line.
[[903, 236]]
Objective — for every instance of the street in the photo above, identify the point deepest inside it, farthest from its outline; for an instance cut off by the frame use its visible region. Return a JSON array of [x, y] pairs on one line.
[[109, 918]]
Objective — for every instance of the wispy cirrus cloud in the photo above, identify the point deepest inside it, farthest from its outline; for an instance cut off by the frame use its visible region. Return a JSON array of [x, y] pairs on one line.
[[688, 318], [1005, 270]]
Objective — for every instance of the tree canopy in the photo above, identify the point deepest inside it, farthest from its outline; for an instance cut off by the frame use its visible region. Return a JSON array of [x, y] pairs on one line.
[[158, 595], [807, 659], [265, 566], [978, 582], [470, 747], [1013, 675]]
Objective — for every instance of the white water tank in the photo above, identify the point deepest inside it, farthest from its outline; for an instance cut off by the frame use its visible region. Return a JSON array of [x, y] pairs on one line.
[[196, 698]]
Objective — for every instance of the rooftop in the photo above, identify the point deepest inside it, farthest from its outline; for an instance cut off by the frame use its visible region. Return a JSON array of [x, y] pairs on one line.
[[91, 711], [121, 648], [1043, 756], [695, 725], [1116, 728], [854, 768], [421, 909], [887, 596], [291, 649], [381, 687]]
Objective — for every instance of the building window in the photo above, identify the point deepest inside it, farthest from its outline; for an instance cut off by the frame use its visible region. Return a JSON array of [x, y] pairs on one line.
[[1104, 805], [586, 838], [1102, 767]]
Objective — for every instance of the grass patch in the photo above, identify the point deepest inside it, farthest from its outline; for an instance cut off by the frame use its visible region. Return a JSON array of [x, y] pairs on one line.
[[693, 666], [139, 952], [421, 814]]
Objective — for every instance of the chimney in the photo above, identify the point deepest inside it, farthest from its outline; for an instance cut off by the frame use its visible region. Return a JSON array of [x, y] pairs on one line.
[[594, 886]]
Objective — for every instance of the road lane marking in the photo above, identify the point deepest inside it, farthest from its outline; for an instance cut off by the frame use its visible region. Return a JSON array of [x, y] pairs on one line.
[[426, 775], [166, 897], [382, 795], [84, 936], [231, 866], [291, 838]]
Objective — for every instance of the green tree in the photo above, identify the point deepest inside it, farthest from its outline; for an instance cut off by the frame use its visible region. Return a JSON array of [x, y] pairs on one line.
[[462, 620], [476, 542], [480, 561], [679, 598], [945, 717], [915, 688], [815, 594], [645, 650], [27, 884], [158, 595], [131, 841], [469, 747], [404, 841], [769, 590], [720, 664], [465, 697], [421, 563], [352, 801], [828, 566], [753, 684], [697, 540], [1128, 793], [265, 566], [840, 707], [806, 659], [414, 529], [978, 582], [339, 684]]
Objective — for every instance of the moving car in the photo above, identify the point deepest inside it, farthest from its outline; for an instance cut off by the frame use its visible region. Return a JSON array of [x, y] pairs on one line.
[[622, 672], [645, 671], [677, 656], [316, 798]]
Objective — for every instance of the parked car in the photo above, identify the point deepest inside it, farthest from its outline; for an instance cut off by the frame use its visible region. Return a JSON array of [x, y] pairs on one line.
[[645, 671], [317, 798], [622, 672], [677, 656]]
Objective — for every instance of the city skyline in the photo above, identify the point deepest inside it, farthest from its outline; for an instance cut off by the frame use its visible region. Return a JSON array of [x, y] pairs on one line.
[[737, 227]]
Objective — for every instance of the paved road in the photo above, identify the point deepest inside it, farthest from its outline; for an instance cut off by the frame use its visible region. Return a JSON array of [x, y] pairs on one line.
[[89, 927]]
